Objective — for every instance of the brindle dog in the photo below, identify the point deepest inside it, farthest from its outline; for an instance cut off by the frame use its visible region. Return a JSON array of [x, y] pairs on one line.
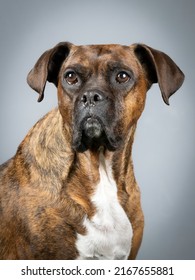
[[70, 191]]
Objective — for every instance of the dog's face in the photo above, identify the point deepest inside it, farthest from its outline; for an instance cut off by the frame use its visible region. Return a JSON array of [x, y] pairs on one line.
[[102, 88], [100, 85]]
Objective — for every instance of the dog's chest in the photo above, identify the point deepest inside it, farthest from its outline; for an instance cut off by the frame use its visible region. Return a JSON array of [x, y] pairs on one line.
[[109, 232]]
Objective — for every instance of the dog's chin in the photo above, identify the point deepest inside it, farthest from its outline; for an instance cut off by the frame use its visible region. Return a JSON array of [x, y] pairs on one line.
[[91, 135]]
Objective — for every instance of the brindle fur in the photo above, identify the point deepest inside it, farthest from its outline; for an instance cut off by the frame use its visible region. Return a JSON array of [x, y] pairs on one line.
[[45, 188]]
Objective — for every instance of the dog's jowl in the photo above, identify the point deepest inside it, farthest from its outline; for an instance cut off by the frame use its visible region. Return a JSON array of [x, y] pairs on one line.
[[70, 191]]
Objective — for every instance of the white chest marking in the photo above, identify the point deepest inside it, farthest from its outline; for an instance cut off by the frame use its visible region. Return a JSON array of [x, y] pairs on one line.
[[109, 232]]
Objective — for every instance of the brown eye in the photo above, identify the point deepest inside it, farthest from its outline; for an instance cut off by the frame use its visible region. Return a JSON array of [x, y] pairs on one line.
[[122, 77], [71, 78]]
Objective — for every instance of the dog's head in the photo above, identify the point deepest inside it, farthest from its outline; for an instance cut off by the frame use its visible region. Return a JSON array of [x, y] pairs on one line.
[[102, 88]]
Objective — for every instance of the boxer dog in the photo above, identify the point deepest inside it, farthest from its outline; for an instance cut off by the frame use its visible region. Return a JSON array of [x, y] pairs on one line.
[[70, 190]]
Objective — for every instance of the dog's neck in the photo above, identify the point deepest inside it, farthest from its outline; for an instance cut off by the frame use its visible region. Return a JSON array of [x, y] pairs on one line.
[[54, 155], [105, 167]]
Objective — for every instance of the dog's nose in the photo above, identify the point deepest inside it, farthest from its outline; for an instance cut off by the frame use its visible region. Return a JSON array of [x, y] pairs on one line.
[[92, 98]]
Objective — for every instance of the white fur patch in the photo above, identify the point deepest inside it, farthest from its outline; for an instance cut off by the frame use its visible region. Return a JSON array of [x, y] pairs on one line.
[[109, 232]]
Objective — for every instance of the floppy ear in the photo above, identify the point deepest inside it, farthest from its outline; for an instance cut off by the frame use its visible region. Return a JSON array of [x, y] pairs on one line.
[[161, 69], [47, 68]]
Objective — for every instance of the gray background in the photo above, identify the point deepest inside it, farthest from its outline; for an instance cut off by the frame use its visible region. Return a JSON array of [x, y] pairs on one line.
[[164, 155]]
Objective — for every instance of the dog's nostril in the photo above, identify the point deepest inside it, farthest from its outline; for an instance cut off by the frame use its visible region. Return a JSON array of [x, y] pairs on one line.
[[96, 98], [84, 99]]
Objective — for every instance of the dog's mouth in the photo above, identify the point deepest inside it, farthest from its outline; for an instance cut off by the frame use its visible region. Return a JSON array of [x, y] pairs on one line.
[[93, 128], [92, 134]]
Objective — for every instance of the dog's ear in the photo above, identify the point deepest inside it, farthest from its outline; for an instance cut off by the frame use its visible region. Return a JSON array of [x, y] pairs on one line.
[[47, 68], [161, 69]]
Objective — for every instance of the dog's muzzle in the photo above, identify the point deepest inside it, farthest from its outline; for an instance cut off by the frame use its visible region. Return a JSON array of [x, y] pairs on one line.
[[91, 101], [92, 128], [93, 122]]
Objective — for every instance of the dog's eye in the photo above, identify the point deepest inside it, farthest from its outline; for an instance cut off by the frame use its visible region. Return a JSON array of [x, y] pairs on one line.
[[71, 78], [122, 77]]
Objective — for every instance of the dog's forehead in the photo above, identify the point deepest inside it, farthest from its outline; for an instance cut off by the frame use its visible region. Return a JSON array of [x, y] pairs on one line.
[[95, 54]]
